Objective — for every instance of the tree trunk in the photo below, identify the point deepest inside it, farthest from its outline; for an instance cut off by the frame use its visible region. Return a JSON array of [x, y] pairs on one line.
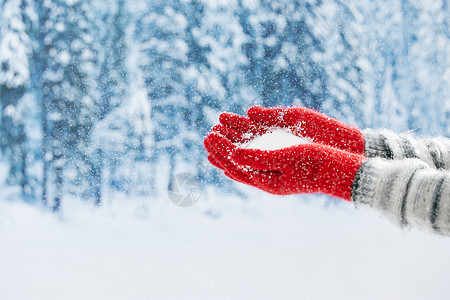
[[58, 184], [171, 170], [97, 172]]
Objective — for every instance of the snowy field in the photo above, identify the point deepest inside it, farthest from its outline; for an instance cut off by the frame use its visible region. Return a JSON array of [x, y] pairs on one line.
[[223, 247]]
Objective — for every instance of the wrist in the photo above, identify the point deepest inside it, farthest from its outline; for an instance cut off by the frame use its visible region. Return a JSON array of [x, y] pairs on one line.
[[347, 138], [340, 173]]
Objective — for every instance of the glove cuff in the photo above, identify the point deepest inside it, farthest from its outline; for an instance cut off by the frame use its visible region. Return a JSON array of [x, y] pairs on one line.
[[346, 137], [339, 173]]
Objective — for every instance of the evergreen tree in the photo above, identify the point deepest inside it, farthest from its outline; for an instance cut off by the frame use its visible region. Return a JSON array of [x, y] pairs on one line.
[[15, 48], [222, 38], [113, 77], [67, 108], [123, 141], [423, 79], [112, 87], [161, 34], [340, 59], [280, 48]]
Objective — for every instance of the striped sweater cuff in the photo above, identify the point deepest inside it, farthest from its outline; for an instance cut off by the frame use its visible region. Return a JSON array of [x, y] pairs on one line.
[[435, 152], [408, 191]]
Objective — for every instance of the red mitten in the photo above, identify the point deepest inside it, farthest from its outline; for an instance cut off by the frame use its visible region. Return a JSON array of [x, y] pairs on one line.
[[303, 122], [306, 168]]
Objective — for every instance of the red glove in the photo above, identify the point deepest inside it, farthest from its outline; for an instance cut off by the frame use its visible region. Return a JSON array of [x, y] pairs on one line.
[[301, 121], [306, 168]]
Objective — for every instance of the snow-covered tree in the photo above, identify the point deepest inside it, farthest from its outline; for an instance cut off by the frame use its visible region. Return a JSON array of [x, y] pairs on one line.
[[331, 22], [224, 77], [111, 89], [113, 75], [424, 64], [65, 39], [280, 49], [15, 50], [161, 37], [123, 141]]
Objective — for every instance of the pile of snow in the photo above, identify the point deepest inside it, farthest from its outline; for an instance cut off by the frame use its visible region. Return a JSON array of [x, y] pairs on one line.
[[275, 139]]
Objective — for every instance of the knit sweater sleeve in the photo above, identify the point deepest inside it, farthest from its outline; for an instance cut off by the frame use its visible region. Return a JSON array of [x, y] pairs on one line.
[[408, 191], [435, 152]]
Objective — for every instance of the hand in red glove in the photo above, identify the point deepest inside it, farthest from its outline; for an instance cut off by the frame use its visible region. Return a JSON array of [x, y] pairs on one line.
[[306, 168], [301, 121]]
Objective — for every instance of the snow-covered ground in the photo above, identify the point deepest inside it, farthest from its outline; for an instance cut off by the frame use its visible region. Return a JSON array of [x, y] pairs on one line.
[[223, 247]]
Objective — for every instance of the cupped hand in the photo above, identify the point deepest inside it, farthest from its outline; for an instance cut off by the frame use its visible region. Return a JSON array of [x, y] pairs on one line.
[[306, 168], [301, 121]]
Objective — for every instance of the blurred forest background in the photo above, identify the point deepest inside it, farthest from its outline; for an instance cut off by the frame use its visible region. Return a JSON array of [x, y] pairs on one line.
[[113, 96]]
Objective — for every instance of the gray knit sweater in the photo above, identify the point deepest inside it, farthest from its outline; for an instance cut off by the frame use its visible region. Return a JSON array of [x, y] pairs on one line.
[[407, 178]]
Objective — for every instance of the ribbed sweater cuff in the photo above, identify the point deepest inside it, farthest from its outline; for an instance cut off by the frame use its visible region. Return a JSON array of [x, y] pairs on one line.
[[407, 191]]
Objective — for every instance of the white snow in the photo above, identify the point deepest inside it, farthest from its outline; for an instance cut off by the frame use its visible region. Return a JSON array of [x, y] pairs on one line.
[[275, 139], [266, 247]]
